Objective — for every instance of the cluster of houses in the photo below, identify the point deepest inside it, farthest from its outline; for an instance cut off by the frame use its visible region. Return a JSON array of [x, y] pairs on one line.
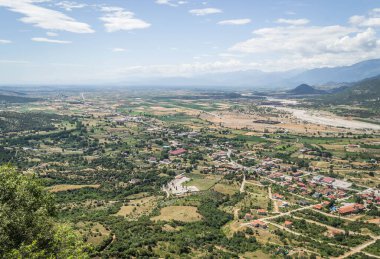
[[371, 196], [295, 181], [346, 209]]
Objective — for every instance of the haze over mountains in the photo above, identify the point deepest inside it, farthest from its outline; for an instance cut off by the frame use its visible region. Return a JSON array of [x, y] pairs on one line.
[[273, 80]]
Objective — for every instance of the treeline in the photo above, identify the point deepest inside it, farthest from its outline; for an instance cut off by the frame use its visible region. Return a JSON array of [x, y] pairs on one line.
[[16, 121]]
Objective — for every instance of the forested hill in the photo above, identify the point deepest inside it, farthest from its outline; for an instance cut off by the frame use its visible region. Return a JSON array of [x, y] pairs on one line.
[[365, 93], [305, 89], [16, 99]]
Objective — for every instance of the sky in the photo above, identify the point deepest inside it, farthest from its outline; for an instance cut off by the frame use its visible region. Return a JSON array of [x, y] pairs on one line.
[[109, 41]]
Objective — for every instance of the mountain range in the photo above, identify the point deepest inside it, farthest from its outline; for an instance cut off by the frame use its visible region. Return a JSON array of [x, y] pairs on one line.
[[270, 80]]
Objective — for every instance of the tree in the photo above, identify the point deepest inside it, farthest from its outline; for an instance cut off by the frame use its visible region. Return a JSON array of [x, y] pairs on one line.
[[27, 228]]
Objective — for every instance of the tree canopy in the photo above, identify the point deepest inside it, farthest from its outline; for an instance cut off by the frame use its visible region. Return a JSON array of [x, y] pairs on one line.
[[27, 226]]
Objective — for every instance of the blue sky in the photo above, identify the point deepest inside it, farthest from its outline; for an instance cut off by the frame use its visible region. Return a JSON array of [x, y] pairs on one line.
[[83, 41]]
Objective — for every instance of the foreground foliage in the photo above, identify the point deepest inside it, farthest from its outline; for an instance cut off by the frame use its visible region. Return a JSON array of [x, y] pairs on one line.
[[27, 229]]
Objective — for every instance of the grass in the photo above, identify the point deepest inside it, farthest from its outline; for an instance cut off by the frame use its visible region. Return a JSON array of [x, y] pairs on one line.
[[258, 196], [179, 213], [228, 189], [136, 208], [94, 232], [202, 182]]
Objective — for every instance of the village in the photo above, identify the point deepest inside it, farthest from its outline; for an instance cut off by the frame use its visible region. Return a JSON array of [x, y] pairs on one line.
[[297, 189], [294, 193]]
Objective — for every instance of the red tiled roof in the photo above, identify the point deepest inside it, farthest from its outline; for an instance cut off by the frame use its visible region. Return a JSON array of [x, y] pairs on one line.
[[277, 196], [350, 208], [328, 180]]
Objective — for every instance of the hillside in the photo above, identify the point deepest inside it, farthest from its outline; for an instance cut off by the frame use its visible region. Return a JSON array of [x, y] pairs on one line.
[[305, 89], [16, 99], [365, 93]]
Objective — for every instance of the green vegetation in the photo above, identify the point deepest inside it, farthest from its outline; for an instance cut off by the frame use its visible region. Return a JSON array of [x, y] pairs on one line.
[[16, 99], [103, 173], [374, 248], [27, 228], [15, 121]]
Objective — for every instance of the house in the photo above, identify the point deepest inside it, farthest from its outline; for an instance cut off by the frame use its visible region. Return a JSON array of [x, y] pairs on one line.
[[277, 196], [301, 184], [262, 212], [350, 208], [318, 206], [328, 180], [258, 224], [288, 224], [177, 152], [331, 197]]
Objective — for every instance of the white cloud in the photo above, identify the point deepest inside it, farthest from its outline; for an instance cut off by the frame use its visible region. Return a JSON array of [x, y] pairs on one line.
[[165, 2], [171, 2], [283, 39], [363, 21], [282, 48], [51, 41], [118, 50], [69, 5], [45, 18], [371, 20], [205, 11], [117, 19], [235, 22], [293, 21], [5, 41], [51, 34]]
